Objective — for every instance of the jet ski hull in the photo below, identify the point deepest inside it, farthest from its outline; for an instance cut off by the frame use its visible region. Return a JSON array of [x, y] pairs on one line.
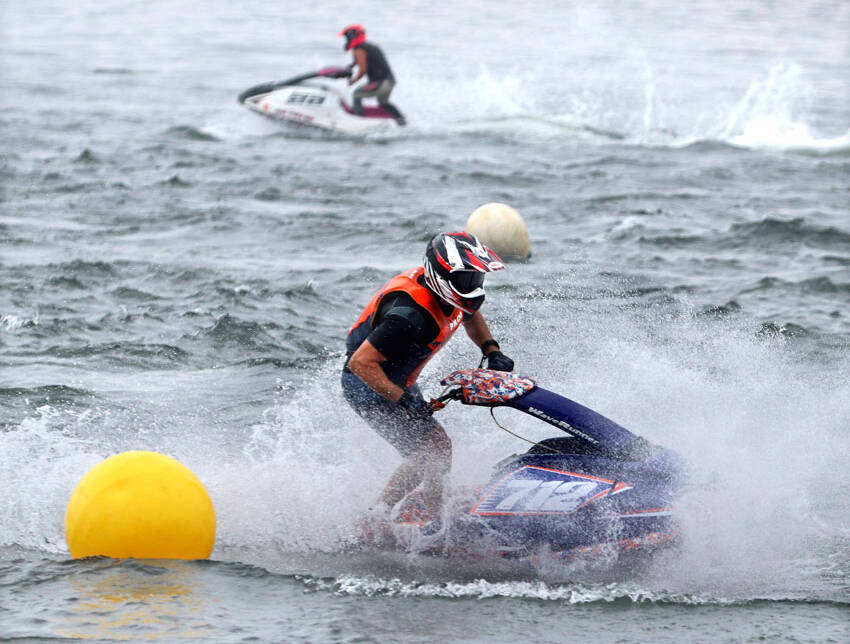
[[316, 105], [598, 493], [564, 506]]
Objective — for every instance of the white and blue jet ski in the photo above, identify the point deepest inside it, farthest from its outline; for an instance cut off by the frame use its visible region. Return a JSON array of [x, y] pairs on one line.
[[304, 100]]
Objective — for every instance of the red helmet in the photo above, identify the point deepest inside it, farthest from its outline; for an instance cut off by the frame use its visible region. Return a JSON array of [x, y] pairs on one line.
[[455, 264], [354, 35]]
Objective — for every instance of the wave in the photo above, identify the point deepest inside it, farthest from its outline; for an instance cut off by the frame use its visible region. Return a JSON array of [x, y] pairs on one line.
[[772, 113], [787, 330], [87, 156], [229, 329], [625, 593], [10, 322], [770, 134], [508, 127], [48, 394], [631, 593], [797, 231], [764, 233], [485, 589], [304, 363], [45, 400], [760, 134], [188, 132], [84, 267], [269, 194], [812, 285], [176, 181], [118, 71], [127, 355], [80, 187], [719, 311], [130, 293], [765, 117]]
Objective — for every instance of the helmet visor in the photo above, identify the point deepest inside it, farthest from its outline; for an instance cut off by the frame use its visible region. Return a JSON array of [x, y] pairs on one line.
[[466, 281]]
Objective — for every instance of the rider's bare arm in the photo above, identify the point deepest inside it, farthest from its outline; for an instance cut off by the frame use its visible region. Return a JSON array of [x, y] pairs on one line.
[[365, 363], [360, 60], [478, 331]]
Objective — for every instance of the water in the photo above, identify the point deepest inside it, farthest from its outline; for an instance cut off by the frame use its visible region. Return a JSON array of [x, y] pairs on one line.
[[178, 275]]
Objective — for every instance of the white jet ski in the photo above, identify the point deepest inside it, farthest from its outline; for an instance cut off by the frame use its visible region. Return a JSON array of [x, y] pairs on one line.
[[304, 101]]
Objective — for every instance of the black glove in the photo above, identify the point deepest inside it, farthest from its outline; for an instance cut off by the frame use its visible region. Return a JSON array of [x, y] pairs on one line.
[[415, 406], [498, 361]]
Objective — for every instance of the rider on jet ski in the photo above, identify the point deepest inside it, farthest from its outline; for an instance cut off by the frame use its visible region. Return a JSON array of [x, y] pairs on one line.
[[370, 62], [406, 322]]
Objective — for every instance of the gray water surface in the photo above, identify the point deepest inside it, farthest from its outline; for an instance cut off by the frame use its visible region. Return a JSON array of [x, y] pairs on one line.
[[178, 274]]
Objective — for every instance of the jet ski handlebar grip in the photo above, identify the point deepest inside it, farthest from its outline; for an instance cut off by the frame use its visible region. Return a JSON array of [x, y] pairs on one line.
[[436, 404]]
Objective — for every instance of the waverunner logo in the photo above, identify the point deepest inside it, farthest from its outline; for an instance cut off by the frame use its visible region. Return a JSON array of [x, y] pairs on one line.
[[539, 490], [557, 422]]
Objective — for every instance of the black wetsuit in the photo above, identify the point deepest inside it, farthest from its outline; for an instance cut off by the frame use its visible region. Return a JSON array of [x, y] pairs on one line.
[[381, 82], [377, 67]]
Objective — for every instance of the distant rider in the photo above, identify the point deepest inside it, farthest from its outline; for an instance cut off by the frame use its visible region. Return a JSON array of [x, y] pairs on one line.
[[405, 323], [370, 62]]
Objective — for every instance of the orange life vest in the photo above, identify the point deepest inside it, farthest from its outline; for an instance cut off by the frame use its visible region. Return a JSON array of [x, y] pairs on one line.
[[405, 372]]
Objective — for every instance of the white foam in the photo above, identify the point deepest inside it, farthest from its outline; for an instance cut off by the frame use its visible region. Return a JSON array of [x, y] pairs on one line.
[[767, 116], [11, 322], [772, 133], [485, 589]]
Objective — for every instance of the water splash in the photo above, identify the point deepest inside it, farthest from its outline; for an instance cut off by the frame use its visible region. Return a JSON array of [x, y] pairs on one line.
[[767, 116]]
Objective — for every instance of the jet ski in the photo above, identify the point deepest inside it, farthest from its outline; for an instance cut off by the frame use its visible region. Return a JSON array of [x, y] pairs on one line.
[[594, 492], [303, 100]]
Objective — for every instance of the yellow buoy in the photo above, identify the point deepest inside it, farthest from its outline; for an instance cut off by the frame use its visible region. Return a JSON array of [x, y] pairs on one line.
[[143, 505], [501, 228]]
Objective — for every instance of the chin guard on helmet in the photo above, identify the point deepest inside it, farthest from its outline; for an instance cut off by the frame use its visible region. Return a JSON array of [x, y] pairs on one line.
[[455, 264]]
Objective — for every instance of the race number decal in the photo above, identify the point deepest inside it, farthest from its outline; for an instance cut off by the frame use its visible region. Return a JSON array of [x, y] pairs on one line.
[[305, 99], [539, 490]]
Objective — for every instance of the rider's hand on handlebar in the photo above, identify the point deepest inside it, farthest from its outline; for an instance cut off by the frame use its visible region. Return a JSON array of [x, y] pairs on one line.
[[498, 361], [415, 406]]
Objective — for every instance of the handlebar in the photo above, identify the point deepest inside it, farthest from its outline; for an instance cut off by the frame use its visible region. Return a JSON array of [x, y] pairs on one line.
[[439, 403]]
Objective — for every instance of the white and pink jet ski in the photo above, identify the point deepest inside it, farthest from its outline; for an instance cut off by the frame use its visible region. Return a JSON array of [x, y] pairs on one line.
[[302, 100]]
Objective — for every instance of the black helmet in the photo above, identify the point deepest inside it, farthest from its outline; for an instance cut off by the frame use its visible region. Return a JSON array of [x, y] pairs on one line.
[[455, 264]]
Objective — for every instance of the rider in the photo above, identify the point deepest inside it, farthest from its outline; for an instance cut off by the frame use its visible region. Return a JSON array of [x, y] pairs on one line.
[[370, 62], [405, 323]]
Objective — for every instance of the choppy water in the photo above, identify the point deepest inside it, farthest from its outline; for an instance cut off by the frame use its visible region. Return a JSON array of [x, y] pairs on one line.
[[178, 275]]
